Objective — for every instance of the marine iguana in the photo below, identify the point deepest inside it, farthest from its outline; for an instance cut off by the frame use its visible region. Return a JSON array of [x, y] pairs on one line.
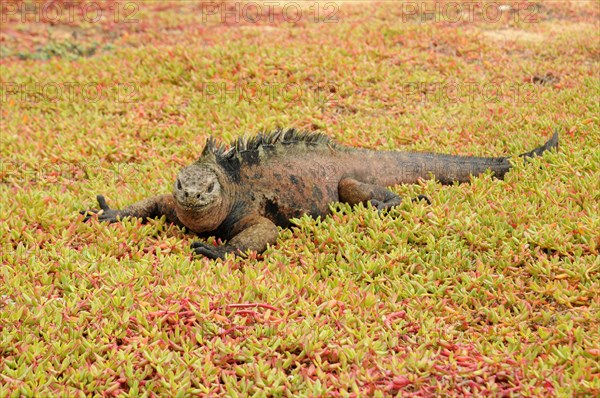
[[242, 193]]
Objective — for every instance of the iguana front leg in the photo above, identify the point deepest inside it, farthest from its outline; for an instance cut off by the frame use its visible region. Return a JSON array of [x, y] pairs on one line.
[[153, 207], [250, 233], [353, 192]]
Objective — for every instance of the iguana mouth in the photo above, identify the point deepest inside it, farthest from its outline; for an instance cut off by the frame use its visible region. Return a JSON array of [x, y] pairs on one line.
[[187, 206]]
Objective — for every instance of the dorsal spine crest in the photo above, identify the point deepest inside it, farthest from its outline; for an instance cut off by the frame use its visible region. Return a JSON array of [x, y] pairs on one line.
[[270, 140]]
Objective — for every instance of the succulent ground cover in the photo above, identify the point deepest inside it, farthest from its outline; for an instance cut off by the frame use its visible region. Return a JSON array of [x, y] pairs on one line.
[[492, 290]]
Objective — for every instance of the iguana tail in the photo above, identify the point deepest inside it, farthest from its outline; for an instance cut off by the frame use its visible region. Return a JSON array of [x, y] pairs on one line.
[[392, 168], [550, 144]]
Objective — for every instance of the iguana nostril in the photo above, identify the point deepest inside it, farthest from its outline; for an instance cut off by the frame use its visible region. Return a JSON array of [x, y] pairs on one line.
[[179, 185], [186, 194], [198, 196]]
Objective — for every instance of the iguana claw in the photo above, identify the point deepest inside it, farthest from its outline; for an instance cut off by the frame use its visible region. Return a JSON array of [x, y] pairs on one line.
[[422, 197], [105, 213], [207, 250], [382, 206]]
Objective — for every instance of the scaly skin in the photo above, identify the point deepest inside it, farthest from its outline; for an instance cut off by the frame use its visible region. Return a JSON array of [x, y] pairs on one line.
[[244, 193]]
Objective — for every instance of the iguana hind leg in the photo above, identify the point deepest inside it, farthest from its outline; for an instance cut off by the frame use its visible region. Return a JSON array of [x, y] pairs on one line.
[[250, 233], [353, 192]]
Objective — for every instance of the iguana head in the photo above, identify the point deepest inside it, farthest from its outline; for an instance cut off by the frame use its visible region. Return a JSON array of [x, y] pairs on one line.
[[199, 198]]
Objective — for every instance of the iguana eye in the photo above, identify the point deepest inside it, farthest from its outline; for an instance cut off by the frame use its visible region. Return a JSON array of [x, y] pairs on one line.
[[211, 187]]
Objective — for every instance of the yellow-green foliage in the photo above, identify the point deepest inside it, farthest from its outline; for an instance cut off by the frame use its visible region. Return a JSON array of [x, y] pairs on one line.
[[492, 289]]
